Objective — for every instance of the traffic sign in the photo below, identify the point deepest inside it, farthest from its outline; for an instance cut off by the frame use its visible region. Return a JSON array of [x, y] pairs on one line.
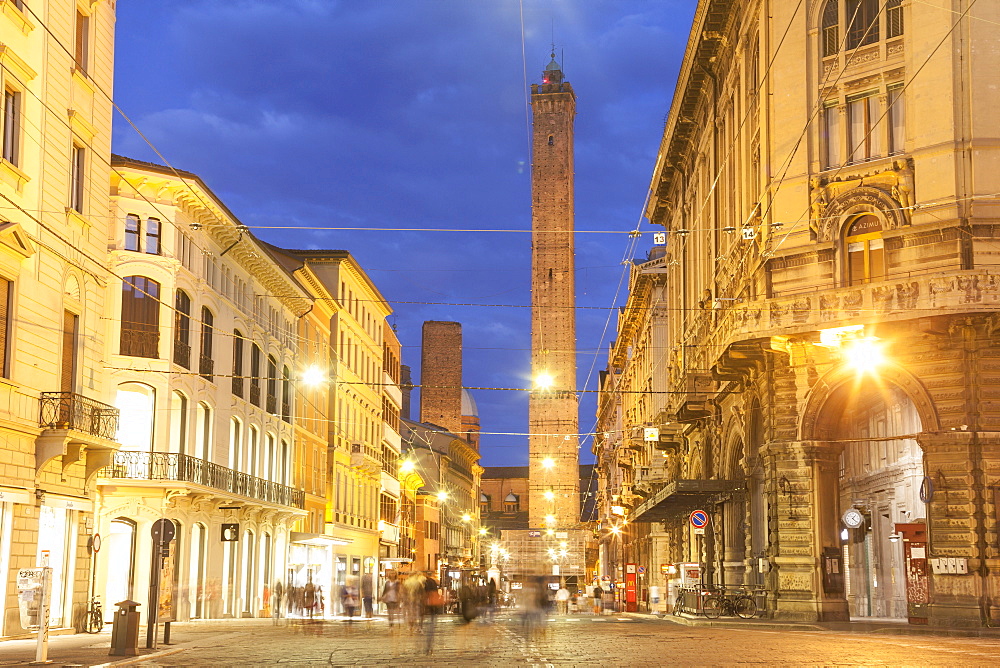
[[642, 569], [163, 531], [699, 519]]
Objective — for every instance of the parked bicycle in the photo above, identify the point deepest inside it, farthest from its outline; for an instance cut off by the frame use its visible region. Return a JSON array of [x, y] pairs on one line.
[[95, 616], [740, 604]]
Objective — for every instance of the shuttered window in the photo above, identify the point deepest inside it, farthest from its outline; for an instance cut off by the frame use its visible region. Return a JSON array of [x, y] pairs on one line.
[[4, 326]]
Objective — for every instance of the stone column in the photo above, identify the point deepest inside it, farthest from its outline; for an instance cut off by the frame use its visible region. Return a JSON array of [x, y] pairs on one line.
[[803, 487], [963, 467]]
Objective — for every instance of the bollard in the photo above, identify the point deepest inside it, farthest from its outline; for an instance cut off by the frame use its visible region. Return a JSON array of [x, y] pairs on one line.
[[125, 629]]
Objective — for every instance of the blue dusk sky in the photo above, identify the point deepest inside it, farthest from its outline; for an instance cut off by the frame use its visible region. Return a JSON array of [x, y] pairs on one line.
[[406, 115]]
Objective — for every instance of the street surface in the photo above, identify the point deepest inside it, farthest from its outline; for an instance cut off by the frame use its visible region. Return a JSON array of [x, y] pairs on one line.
[[564, 641]]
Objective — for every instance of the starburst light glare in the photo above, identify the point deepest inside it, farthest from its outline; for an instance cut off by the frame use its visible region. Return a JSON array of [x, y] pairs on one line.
[[442, 495], [313, 376], [615, 530], [406, 466], [483, 531], [544, 380], [550, 519], [548, 463], [864, 355], [549, 495], [550, 532], [466, 517]]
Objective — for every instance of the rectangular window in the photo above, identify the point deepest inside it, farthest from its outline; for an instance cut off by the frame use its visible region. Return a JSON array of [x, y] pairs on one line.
[[864, 137], [862, 16], [11, 126], [140, 323], [893, 18], [5, 320], [132, 233], [82, 41], [237, 363], [79, 157], [153, 236], [831, 136], [896, 120]]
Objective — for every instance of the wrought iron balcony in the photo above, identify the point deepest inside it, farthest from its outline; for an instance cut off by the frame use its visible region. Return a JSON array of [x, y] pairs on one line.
[[254, 393], [206, 365], [238, 386], [68, 410], [140, 343], [182, 354], [156, 466], [286, 411], [272, 404]]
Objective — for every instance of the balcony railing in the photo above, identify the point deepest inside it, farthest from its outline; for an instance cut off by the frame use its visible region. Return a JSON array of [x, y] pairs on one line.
[[140, 343], [67, 410], [182, 354], [272, 404], [206, 365], [238, 386], [254, 393], [185, 468], [286, 411]]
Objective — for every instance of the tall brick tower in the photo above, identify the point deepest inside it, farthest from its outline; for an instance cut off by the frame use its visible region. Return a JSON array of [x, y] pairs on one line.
[[441, 375], [553, 410]]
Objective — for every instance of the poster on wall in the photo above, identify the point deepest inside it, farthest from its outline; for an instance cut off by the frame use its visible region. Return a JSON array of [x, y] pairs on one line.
[[165, 609]]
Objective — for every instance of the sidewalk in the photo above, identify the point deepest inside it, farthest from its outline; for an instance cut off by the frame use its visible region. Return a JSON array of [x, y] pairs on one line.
[[885, 627]]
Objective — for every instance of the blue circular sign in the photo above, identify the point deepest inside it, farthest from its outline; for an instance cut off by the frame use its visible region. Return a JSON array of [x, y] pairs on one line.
[[699, 519]]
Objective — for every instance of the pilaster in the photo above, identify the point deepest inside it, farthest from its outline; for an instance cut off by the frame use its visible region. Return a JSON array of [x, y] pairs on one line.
[[963, 477]]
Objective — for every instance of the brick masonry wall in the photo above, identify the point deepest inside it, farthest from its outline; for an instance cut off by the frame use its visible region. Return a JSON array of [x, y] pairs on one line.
[[441, 375]]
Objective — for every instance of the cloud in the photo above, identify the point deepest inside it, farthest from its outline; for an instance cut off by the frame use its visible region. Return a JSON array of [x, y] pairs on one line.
[[329, 114]]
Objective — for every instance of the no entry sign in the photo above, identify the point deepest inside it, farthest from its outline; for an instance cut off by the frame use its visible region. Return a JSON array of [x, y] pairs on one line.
[[699, 519]]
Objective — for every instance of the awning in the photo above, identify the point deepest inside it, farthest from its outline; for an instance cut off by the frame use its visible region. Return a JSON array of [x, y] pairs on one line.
[[680, 496], [315, 539]]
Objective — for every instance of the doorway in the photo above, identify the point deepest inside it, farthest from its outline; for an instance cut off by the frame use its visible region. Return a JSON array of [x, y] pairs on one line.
[[881, 468]]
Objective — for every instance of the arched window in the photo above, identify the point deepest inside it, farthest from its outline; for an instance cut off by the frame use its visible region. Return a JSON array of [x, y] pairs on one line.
[[272, 385], [830, 28], [861, 23], [203, 436], [140, 322], [255, 375], [196, 575], [182, 329], [511, 503], [120, 551], [484, 503], [178, 423], [238, 363], [135, 403], [286, 394], [865, 252], [206, 364], [235, 443]]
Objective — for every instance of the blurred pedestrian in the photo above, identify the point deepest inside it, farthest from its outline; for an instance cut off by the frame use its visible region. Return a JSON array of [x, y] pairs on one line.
[[309, 597], [654, 598], [598, 600], [413, 600], [277, 595], [390, 596], [562, 600], [367, 590], [349, 599], [433, 604]]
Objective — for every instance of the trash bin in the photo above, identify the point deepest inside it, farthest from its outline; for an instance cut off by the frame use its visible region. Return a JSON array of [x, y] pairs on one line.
[[125, 629]]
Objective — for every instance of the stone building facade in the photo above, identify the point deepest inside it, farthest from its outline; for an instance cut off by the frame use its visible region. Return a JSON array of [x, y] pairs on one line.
[[58, 426], [829, 356], [202, 329]]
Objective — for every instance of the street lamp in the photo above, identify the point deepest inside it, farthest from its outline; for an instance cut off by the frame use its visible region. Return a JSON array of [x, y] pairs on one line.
[[313, 376], [548, 463], [864, 355], [549, 495], [544, 381]]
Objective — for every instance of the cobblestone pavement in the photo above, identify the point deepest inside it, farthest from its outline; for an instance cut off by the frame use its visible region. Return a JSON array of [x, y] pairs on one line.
[[564, 641]]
